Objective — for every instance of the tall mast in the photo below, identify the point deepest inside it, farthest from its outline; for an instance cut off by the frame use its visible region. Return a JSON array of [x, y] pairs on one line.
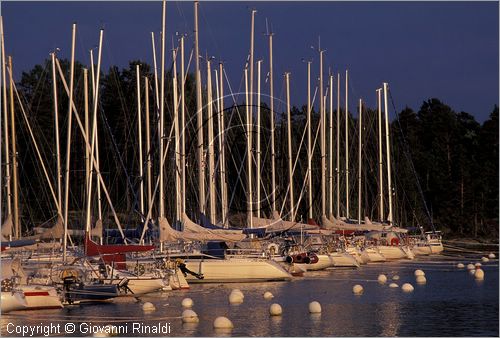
[[258, 138], [183, 135], [14, 153], [222, 146], [249, 153], [347, 143], [157, 96], [338, 145], [380, 169], [199, 105], [271, 103], [178, 198], [6, 126], [290, 160], [148, 141], [87, 150], [309, 142], [330, 177], [162, 107], [139, 133], [360, 144], [68, 143], [93, 136], [211, 164], [388, 154], [56, 123], [250, 99], [86, 113], [323, 135]]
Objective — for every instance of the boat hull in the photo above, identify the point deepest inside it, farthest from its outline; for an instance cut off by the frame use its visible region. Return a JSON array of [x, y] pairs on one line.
[[344, 260], [235, 270], [324, 261], [41, 297], [12, 301], [392, 252]]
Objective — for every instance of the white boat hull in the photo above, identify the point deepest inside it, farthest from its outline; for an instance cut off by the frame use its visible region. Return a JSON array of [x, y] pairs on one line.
[[12, 301], [373, 255], [235, 270], [344, 260], [140, 286], [324, 261], [361, 257], [41, 297], [392, 252]]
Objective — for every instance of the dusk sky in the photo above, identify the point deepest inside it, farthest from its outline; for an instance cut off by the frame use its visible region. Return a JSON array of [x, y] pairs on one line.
[[447, 50]]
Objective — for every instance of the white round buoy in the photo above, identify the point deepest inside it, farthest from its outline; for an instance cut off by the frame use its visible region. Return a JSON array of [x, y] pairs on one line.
[[421, 280], [189, 316], [419, 273], [275, 310], [268, 295], [479, 274], [314, 307], [491, 256], [222, 323], [357, 289], [393, 285], [382, 279], [235, 298], [148, 307], [238, 292], [477, 265], [407, 287], [470, 266], [472, 272], [395, 277], [460, 266], [187, 302], [485, 259]]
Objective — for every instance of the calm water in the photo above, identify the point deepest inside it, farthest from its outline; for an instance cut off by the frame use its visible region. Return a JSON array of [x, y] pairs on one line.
[[452, 303]]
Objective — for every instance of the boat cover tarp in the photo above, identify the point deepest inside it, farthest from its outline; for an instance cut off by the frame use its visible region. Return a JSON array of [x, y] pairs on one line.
[[168, 234]]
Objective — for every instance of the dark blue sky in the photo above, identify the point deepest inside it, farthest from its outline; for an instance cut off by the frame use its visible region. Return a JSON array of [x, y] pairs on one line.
[[448, 50]]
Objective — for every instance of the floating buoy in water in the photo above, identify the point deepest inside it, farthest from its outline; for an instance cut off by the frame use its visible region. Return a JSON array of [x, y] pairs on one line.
[[238, 292], [485, 259], [460, 266], [222, 323], [382, 279], [395, 277], [491, 256], [314, 307], [187, 302], [479, 274], [477, 265], [421, 280], [235, 298], [268, 295], [470, 266], [275, 310], [407, 287], [357, 289], [189, 316], [393, 285], [148, 307], [419, 273]]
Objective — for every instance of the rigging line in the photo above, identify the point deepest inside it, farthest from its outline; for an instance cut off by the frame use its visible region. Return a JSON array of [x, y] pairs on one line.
[[410, 160]]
